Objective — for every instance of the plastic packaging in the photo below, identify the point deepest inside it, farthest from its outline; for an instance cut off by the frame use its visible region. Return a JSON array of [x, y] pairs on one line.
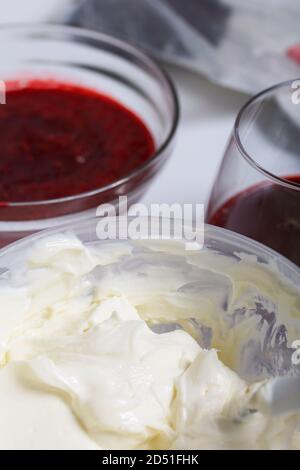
[[246, 46]]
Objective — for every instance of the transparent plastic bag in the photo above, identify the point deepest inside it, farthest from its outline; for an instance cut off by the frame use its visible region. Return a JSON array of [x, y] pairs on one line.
[[242, 45]]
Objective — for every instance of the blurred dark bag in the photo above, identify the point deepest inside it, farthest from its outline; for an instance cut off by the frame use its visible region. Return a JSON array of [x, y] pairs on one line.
[[245, 45]]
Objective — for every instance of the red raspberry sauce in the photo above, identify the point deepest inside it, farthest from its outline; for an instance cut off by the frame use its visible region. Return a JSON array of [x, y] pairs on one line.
[[268, 213], [60, 140]]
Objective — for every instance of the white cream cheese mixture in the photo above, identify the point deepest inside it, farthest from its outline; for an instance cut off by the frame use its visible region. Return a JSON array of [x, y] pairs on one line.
[[124, 346]]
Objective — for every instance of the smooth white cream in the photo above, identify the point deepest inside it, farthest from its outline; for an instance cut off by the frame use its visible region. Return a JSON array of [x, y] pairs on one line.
[[82, 364]]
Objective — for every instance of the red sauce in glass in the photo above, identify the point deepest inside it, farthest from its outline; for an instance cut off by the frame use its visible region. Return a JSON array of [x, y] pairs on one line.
[[268, 213], [60, 140]]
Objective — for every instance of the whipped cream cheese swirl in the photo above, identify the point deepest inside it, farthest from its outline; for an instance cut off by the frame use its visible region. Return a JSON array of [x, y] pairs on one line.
[[141, 346]]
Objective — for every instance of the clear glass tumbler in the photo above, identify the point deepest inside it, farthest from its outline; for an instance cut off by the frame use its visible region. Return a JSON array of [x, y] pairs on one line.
[[257, 189]]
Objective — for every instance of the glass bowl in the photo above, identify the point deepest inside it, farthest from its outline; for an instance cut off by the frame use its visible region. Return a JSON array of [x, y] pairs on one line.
[[102, 63], [243, 290]]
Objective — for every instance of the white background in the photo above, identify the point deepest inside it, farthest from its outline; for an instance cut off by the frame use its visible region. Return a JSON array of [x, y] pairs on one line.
[[207, 117]]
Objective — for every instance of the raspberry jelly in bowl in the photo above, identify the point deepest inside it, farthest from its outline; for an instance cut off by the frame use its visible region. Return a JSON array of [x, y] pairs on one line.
[[84, 119]]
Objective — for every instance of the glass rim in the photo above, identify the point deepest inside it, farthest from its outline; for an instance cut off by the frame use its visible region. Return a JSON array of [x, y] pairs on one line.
[[164, 76], [238, 141]]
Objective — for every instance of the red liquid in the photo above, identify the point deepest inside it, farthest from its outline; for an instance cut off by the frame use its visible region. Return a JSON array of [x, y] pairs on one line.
[[268, 213], [60, 140]]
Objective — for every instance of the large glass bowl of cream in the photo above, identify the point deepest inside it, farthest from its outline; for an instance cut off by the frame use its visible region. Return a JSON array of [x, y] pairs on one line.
[[143, 344]]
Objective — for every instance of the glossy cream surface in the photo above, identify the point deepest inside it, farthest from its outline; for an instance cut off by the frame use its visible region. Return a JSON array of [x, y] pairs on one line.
[[141, 346]]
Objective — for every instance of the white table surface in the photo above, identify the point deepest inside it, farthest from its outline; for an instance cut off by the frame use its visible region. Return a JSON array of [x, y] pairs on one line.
[[207, 116]]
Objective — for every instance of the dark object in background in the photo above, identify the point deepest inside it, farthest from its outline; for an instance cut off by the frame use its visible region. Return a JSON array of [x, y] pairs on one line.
[[241, 45], [147, 22], [208, 17]]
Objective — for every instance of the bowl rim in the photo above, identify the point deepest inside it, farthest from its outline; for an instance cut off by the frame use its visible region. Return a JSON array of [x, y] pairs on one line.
[[52, 29], [244, 245]]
